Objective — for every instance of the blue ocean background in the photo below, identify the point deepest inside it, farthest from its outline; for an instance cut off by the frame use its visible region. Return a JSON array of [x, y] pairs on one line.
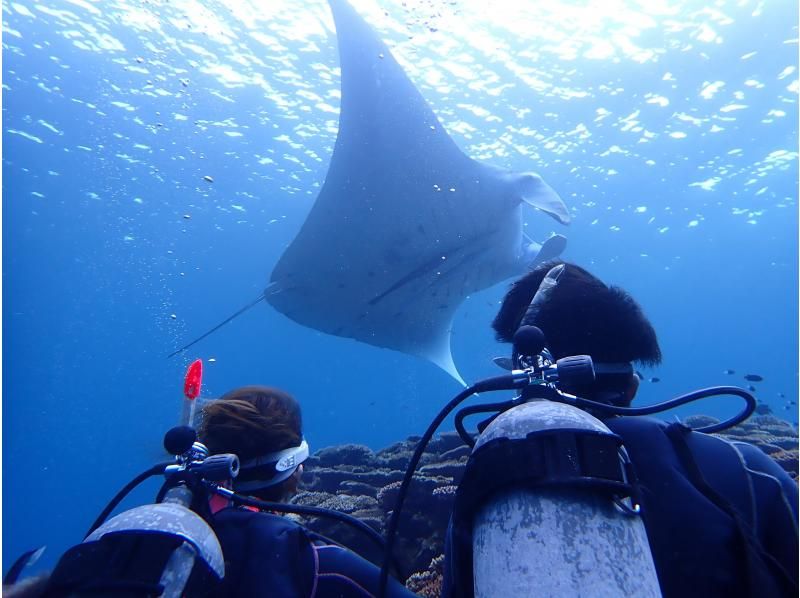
[[668, 128]]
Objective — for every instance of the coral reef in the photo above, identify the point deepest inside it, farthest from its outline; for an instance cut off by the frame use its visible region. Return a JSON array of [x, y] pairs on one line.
[[363, 483], [428, 583], [355, 480]]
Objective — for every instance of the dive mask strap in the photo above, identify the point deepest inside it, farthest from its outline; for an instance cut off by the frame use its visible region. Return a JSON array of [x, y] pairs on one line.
[[276, 467]]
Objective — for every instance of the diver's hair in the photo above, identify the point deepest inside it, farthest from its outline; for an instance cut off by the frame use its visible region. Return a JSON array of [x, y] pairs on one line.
[[582, 317], [251, 421]]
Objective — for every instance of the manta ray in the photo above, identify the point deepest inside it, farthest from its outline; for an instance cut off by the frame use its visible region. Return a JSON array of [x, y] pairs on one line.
[[406, 225]]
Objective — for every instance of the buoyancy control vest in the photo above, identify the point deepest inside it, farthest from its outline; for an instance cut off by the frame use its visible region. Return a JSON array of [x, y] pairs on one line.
[[719, 515], [268, 555], [265, 555]]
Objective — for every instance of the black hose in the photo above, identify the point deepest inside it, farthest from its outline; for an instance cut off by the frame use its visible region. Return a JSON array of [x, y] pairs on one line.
[[690, 397], [154, 470], [468, 439], [606, 409], [278, 507], [391, 531], [306, 510]]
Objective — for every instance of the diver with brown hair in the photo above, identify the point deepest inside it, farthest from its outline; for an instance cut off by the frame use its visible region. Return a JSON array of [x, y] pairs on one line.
[[214, 528], [267, 554]]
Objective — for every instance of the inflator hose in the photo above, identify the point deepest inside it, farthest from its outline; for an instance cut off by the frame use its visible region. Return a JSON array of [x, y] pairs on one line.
[[315, 511], [690, 397], [154, 470], [506, 382], [278, 507]]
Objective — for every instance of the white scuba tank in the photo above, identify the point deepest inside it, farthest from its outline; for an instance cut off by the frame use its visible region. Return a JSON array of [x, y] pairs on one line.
[[556, 540]]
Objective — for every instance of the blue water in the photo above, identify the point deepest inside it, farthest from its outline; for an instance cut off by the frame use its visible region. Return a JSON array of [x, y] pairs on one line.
[[671, 134]]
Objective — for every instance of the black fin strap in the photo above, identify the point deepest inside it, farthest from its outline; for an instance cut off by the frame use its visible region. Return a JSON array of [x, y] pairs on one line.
[[750, 544]]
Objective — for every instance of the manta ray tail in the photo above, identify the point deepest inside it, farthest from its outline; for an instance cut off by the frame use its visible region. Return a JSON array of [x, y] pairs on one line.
[[450, 367], [257, 300]]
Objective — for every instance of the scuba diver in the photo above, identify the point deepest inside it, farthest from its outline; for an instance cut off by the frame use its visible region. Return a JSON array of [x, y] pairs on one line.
[[267, 554], [215, 527], [721, 517]]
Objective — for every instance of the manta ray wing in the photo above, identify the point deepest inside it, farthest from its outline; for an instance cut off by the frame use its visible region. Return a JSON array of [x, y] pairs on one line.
[[406, 225]]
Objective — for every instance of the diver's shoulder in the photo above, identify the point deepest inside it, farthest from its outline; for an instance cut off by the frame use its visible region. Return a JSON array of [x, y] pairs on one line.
[[255, 521], [630, 423]]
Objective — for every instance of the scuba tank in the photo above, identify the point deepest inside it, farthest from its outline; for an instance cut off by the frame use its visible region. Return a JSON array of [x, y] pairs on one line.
[[547, 504], [549, 518], [164, 549]]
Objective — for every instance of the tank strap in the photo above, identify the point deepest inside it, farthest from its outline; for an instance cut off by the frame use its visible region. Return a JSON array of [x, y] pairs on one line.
[[577, 458]]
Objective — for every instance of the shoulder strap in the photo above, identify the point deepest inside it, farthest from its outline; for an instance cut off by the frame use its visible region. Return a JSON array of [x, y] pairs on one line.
[[762, 570]]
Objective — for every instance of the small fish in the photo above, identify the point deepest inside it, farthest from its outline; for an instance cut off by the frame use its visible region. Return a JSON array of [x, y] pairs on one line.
[[208, 179], [751, 388], [729, 372], [654, 379], [504, 362], [753, 377], [781, 395]]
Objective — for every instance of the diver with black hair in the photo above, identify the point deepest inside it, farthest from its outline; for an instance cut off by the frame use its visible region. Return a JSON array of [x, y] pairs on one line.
[[721, 517]]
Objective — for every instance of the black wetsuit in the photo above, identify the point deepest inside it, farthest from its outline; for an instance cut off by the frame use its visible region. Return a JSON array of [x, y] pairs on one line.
[[721, 517], [271, 556]]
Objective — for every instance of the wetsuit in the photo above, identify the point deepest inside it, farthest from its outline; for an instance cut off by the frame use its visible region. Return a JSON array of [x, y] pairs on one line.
[[270, 555], [721, 517]]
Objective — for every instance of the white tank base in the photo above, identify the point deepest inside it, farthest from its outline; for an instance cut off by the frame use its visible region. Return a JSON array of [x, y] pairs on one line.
[[558, 542]]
